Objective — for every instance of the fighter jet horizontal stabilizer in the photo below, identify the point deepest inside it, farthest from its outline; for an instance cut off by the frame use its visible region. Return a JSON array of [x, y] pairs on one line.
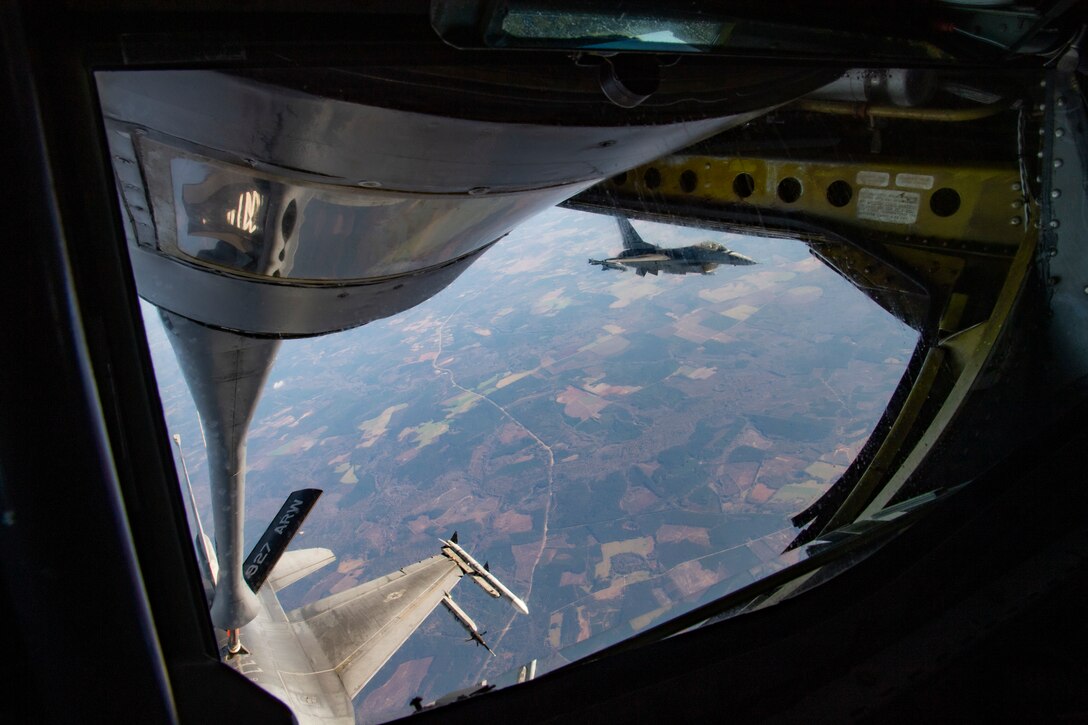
[[297, 564]]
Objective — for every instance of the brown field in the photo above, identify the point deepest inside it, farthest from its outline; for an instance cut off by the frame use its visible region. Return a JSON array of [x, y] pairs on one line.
[[606, 389], [782, 467], [751, 437], [763, 550], [743, 474], [691, 577], [466, 507], [511, 522], [607, 345], [671, 533], [524, 556], [343, 585], [638, 499], [347, 565], [580, 404], [760, 493], [569, 578], [583, 624], [395, 692], [511, 432]]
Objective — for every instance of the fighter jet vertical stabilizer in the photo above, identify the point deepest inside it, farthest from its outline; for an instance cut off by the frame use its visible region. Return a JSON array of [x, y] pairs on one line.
[[270, 548], [632, 240]]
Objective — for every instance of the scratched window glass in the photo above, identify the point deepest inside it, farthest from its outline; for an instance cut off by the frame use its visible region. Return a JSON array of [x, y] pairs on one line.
[[486, 345], [459, 398], [618, 417]]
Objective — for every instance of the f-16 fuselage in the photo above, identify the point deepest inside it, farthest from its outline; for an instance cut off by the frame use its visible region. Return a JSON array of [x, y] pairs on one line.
[[318, 657], [646, 258]]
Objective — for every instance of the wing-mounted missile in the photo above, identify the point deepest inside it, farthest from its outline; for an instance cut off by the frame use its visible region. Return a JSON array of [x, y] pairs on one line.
[[466, 568], [482, 583], [608, 264], [466, 621], [737, 259], [480, 574], [470, 571]]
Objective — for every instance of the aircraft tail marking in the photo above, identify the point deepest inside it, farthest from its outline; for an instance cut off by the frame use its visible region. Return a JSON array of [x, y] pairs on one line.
[[277, 536]]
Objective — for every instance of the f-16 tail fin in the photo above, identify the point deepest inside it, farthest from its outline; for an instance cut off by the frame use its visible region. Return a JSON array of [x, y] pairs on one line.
[[277, 536], [631, 239]]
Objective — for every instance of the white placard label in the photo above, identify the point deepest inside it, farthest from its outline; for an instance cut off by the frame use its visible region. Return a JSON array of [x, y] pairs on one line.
[[873, 178], [887, 205], [914, 181]]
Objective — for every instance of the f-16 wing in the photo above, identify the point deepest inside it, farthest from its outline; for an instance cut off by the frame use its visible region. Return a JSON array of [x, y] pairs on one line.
[[621, 263], [356, 631], [641, 259]]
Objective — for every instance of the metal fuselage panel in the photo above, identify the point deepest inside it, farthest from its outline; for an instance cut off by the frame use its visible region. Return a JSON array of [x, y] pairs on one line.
[[225, 373], [262, 209], [356, 631], [318, 657], [351, 143], [280, 665]]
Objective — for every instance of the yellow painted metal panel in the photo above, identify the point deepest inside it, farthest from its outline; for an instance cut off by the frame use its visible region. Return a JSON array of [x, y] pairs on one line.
[[980, 203]]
